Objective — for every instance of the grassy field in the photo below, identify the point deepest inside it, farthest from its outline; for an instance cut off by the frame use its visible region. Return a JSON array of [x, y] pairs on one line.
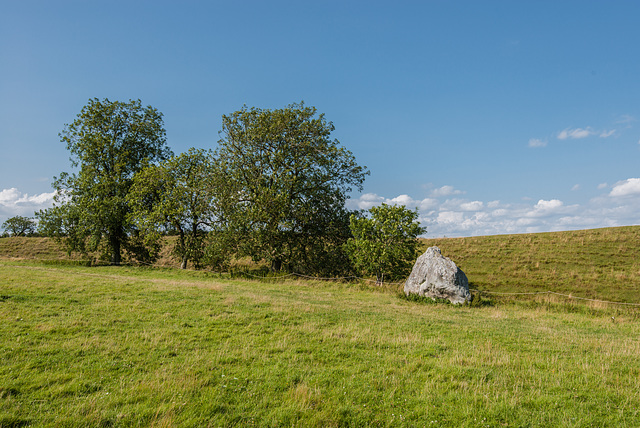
[[598, 264], [106, 346]]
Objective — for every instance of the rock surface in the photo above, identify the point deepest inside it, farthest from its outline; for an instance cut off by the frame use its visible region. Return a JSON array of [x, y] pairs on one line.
[[437, 276]]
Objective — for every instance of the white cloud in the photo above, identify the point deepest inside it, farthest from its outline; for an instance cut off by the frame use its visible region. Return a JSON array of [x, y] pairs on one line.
[[547, 208], [449, 217], [8, 196], [402, 200], [535, 142], [472, 206], [553, 204], [607, 134], [409, 202], [427, 203], [627, 187], [576, 133], [366, 201], [369, 200], [463, 217], [13, 203], [445, 191], [575, 187], [526, 221]]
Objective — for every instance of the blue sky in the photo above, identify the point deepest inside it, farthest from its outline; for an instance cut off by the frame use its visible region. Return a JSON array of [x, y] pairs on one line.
[[490, 117]]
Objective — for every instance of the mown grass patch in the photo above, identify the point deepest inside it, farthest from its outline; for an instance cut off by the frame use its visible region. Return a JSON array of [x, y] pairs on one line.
[[108, 346]]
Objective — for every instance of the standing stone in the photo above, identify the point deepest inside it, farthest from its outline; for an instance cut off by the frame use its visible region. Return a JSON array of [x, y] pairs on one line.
[[437, 276]]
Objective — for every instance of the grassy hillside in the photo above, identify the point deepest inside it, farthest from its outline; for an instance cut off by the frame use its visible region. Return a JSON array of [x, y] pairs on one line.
[[107, 346], [47, 249], [32, 248], [599, 263]]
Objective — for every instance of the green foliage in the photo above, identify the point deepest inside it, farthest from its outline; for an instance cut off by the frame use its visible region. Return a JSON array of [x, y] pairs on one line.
[[109, 142], [19, 226], [176, 195], [282, 187], [385, 243]]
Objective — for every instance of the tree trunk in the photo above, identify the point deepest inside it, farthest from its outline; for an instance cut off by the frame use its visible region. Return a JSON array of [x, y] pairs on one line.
[[183, 247], [116, 257], [276, 265]]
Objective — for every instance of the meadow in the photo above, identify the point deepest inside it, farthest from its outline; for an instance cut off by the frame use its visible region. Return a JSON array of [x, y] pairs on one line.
[[131, 346]]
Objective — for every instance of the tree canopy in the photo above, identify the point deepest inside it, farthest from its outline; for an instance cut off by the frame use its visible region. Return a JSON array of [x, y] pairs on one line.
[[385, 243], [109, 142], [283, 183], [176, 195], [19, 226], [274, 189]]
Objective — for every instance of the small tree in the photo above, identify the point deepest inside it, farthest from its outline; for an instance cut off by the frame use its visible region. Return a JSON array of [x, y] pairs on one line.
[[176, 195], [19, 226], [385, 243]]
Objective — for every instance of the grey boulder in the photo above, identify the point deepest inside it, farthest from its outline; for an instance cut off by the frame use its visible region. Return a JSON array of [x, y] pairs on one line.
[[436, 276]]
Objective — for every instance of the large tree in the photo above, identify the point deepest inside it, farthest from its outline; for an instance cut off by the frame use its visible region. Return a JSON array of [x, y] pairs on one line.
[[176, 196], [283, 186], [385, 243], [109, 143]]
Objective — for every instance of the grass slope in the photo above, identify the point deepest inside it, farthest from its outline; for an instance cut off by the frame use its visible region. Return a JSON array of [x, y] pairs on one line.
[[49, 250], [598, 263], [32, 248], [107, 346]]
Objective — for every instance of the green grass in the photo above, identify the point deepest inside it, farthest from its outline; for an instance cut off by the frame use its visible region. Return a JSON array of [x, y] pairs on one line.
[[598, 264], [107, 346]]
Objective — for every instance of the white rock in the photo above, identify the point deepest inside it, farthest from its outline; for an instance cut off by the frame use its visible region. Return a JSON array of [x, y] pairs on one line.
[[437, 276]]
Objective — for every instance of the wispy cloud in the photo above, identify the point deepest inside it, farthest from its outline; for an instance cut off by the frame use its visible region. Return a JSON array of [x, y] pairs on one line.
[[445, 191], [626, 119], [575, 134], [535, 143], [579, 133]]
